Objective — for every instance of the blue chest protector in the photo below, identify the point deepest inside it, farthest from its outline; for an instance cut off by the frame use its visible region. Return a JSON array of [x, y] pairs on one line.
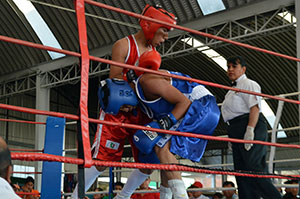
[[202, 117]]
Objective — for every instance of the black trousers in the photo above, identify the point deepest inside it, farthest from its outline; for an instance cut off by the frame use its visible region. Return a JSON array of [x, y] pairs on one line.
[[252, 160]]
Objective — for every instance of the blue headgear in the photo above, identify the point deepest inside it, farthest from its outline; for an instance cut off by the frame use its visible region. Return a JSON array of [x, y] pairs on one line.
[[114, 93]]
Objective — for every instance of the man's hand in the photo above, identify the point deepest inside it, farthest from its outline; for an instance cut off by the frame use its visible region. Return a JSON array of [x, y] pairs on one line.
[[249, 135]]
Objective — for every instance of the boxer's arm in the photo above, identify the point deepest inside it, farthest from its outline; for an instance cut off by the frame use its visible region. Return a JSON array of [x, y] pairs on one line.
[[119, 52], [155, 86]]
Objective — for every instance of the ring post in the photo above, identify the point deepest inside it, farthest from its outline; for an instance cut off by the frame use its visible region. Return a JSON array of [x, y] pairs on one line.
[[80, 155], [111, 183], [51, 174]]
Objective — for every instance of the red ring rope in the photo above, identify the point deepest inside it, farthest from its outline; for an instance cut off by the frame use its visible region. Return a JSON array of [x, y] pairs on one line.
[[48, 157], [125, 125], [40, 46], [26, 150], [139, 16], [27, 193], [21, 121]]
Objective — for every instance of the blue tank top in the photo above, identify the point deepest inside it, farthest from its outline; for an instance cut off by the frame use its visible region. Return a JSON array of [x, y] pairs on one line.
[[160, 107], [202, 117]]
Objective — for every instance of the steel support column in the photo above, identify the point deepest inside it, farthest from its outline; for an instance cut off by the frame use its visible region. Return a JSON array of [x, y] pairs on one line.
[[42, 103]]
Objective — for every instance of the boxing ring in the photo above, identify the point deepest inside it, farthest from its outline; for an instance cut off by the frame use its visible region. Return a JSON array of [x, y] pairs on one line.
[[84, 150]]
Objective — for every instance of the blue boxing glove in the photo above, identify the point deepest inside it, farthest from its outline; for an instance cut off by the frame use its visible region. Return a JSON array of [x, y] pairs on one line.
[[145, 140]]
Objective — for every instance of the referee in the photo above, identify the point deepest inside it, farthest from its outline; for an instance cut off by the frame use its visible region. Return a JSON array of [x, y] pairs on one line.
[[241, 112]]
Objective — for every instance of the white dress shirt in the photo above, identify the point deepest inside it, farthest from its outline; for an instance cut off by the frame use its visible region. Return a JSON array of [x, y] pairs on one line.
[[236, 103], [6, 191]]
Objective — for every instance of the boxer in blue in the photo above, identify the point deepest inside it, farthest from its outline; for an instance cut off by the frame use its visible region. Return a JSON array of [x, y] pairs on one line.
[[176, 105]]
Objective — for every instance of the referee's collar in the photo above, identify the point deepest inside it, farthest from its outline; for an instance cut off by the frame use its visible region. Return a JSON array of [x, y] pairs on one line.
[[241, 78]]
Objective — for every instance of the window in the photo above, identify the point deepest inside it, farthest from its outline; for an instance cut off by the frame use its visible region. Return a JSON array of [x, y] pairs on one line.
[[39, 26], [211, 6], [22, 168]]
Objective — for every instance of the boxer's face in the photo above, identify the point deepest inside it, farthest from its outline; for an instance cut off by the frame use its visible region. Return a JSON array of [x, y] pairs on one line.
[[160, 36], [127, 108]]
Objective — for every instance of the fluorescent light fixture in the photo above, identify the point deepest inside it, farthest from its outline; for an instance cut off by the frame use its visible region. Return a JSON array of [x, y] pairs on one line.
[[211, 6], [221, 61], [39, 26]]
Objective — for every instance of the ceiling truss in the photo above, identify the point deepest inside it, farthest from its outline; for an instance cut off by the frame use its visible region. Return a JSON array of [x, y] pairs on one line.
[[66, 75], [241, 30]]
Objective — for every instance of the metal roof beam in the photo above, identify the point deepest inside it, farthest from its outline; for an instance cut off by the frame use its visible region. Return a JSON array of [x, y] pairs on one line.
[[234, 14], [211, 20], [49, 79], [233, 30], [54, 65]]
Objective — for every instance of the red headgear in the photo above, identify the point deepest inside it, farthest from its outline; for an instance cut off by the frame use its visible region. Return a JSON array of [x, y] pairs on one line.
[[149, 28], [150, 60]]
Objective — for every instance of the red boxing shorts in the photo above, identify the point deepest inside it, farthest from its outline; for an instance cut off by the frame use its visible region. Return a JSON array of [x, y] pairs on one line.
[[109, 140]]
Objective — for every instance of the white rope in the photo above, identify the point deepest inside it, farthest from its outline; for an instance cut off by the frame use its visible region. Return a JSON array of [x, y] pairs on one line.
[[231, 164], [274, 134], [281, 95], [286, 129], [87, 14], [190, 190]]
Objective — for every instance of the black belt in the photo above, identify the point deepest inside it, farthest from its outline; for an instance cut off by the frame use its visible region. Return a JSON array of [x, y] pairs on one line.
[[241, 117], [237, 119]]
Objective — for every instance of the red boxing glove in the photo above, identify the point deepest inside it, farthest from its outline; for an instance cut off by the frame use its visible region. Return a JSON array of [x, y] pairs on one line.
[[150, 60]]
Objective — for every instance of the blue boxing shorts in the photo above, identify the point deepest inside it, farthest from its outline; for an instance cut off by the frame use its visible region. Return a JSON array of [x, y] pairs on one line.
[[202, 117]]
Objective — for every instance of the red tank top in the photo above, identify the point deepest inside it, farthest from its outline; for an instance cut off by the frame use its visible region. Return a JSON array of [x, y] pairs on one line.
[[133, 51], [132, 55]]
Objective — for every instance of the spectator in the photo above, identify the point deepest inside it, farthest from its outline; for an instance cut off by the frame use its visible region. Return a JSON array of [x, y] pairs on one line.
[[198, 194], [291, 193], [118, 186], [242, 113], [16, 187], [190, 193], [145, 186], [28, 187], [99, 195], [229, 194], [217, 195], [6, 191]]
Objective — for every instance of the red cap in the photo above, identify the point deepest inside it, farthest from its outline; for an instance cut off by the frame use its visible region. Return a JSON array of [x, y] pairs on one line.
[[197, 184]]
